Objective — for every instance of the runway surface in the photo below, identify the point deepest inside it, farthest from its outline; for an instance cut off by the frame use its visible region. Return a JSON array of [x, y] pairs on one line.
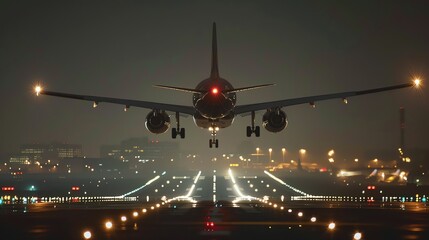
[[215, 205]]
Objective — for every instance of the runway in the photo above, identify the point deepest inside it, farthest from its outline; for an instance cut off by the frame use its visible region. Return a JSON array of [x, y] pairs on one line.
[[216, 205]]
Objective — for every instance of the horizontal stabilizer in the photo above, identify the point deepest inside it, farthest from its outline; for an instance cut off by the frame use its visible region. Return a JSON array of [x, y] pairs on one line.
[[247, 88], [190, 90]]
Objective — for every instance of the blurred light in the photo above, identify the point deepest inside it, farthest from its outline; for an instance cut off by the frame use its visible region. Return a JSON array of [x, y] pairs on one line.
[[313, 219], [38, 89], [215, 90], [123, 218], [357, 236], [135, 214], [87, 235], [331, 226], [417, 82], [108, 225], [300, 214], [302, 151]]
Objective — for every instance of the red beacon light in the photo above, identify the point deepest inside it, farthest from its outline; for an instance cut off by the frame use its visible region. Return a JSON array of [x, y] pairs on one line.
[[215, 91], [75, 188]]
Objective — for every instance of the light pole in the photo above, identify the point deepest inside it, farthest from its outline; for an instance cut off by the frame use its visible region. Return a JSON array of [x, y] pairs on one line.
[[270, 150], [331, 154], [302, 154], [257, 154], [283, 154]]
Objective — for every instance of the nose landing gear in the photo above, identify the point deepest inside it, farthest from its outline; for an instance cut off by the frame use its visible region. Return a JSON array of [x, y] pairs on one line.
[[213, 141]]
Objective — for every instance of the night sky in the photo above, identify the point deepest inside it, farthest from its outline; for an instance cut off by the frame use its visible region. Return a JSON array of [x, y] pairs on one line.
[[121, 48]]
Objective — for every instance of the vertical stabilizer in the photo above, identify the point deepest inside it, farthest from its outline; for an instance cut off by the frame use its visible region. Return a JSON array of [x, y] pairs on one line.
[[215, 71]]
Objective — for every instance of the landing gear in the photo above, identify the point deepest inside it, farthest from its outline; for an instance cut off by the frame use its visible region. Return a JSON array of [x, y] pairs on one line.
[[253, 129], [178, 131], [213, 140]]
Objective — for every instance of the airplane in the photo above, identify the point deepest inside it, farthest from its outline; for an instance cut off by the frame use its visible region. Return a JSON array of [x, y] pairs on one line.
[[214, 104]]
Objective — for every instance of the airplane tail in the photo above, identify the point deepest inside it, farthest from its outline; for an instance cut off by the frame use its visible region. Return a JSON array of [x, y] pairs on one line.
[[214, 74]]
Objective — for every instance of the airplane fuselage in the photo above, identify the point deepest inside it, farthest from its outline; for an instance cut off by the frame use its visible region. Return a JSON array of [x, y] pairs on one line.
[[214, 107]]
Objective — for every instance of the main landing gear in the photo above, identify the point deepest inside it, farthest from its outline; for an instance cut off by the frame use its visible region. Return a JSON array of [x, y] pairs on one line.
[[178, 131], [213, 141], [252, 129]]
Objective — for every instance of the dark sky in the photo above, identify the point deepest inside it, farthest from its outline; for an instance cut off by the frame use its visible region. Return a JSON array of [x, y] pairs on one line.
[[122, 48]]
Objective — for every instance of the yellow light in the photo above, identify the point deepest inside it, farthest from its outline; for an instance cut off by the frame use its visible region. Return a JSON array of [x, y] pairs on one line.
[[313, 219], [331, 226], [144, 210], [123, 218], [38, 89], [331, 152], [87, 235], [417, 82], [108, 225], [302, 151], [135, 214], [357, 236]]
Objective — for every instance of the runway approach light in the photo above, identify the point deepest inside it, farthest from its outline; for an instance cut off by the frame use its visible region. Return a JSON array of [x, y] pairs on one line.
[[331, 226], [38, 89], [417, 82], [357, 236], [87, 235], [108, 225]]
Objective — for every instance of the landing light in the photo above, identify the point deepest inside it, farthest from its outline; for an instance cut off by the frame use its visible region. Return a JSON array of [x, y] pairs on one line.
[[38, 89], [417, 82]]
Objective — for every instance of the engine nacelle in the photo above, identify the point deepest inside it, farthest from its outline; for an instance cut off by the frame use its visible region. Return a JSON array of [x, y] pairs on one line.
[[157, 122], [274, 120]]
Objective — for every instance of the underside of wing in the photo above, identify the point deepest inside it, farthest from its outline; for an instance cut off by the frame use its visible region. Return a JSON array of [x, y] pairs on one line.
[[189, 110], [242, 109]]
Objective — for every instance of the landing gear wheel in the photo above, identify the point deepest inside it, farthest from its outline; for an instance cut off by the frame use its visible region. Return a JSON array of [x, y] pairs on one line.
[[173, 133], [217, 143], [210, 143], [248, 131], [182, 133], [257, 131]]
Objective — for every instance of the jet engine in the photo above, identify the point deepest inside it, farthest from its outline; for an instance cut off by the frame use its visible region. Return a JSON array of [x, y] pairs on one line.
[[157, 122], [274, 120]]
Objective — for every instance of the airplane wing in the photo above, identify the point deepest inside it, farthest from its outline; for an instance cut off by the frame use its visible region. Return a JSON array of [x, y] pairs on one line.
[[126, 102], [241, 109]]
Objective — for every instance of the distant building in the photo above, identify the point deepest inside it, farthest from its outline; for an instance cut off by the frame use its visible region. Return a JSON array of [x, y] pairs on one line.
[[137, 151], [42, 153]]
